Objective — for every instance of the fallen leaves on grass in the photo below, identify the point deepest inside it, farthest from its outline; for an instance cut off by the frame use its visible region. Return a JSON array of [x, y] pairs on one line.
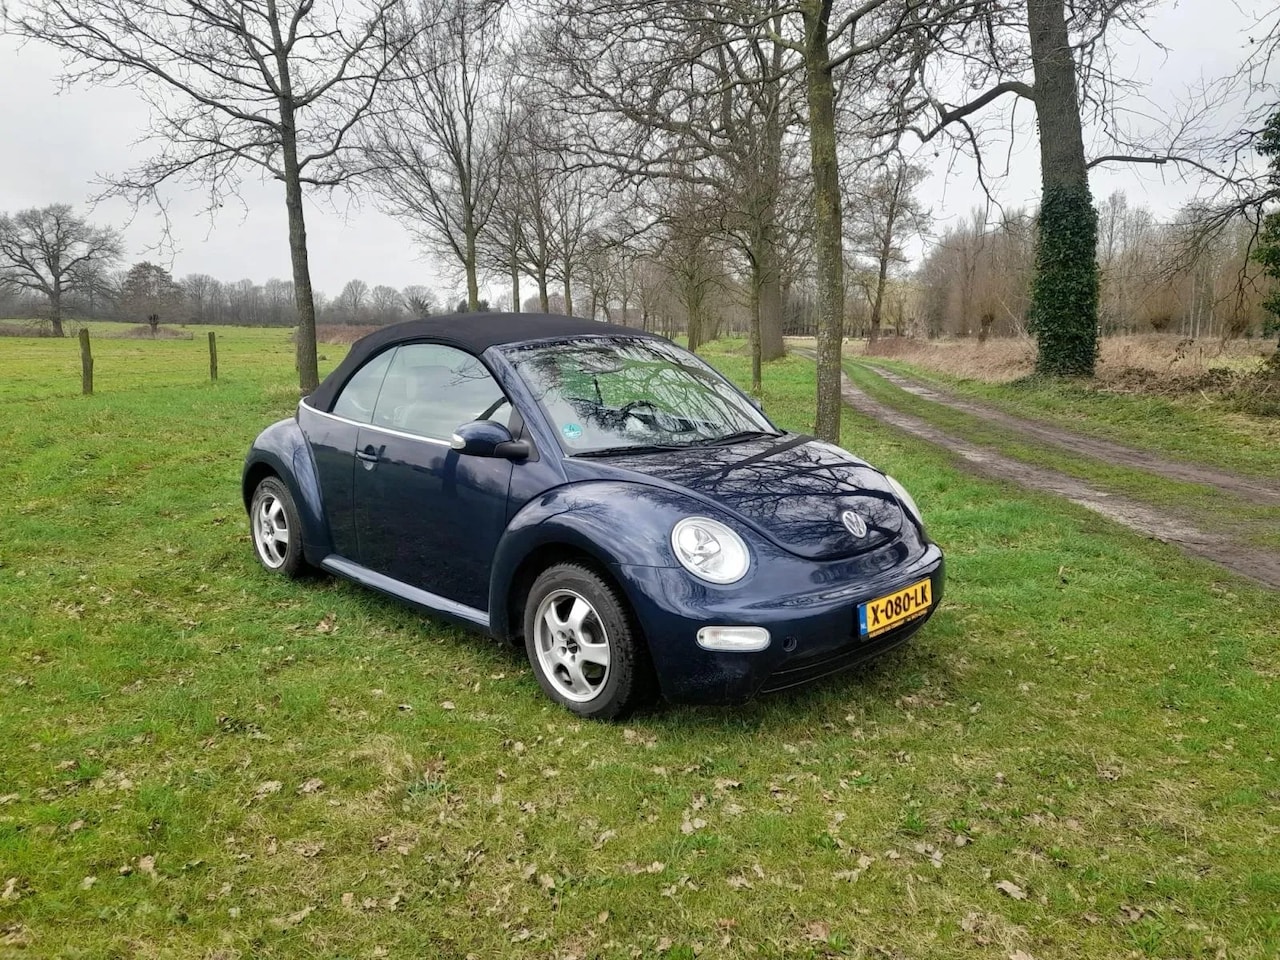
[[817, 931], [308, 848], [1011, 889], [632, 736], [328, 624], [311, 785], [633, 869], [293, 919], [267, 788]]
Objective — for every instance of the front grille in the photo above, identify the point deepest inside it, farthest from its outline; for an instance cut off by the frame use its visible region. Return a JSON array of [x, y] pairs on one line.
[[799, 671]]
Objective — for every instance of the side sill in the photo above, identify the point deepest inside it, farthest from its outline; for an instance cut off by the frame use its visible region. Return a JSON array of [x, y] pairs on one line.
[[402, 591]]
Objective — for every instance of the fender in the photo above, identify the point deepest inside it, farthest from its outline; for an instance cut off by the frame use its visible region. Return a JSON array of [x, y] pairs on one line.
[[620, 523], [283, 450]]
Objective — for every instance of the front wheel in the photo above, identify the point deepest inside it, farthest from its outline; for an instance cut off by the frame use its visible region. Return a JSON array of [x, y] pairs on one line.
[[275, 528], [584, 646]]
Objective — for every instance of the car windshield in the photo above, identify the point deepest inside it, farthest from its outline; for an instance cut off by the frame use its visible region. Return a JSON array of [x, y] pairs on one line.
[[606, 395]]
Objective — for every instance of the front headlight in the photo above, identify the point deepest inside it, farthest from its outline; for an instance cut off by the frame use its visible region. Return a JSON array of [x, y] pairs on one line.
[[901, 492], [710, 550]]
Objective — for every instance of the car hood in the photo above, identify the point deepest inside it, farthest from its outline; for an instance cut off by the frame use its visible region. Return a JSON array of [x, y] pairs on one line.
[[792, 489]]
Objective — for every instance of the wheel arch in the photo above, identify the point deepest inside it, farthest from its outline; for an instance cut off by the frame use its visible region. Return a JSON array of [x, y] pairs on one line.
[[606, 525], [282, 451], [544, 557]]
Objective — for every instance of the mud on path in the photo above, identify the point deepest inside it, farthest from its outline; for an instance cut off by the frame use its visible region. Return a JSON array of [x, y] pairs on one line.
[[1262, 566], [1251, 489]]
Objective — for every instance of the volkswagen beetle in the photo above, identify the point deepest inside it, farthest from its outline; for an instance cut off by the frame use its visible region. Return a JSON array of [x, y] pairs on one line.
[[600, 495]]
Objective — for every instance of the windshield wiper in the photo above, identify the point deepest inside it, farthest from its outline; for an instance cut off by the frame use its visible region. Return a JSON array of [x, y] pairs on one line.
[[739, 437], [635, 448]]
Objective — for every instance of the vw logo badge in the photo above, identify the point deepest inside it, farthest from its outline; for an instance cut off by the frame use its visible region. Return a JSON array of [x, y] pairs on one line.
[[854, 523]]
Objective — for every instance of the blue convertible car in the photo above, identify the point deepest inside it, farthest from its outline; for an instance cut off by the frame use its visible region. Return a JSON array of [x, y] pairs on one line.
[[602, 496]]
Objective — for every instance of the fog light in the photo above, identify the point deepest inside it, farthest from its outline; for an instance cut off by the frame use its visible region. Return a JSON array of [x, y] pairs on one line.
[[733, 639]]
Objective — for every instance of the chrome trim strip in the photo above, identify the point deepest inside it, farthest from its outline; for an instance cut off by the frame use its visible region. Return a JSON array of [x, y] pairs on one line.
[[389, 585], [373, 426]]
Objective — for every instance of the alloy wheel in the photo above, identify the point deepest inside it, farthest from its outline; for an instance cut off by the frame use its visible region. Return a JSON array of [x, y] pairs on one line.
[[271, 531], [572, 646]]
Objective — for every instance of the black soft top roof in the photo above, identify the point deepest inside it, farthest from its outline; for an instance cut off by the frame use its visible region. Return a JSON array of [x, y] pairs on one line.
[[472, 332]]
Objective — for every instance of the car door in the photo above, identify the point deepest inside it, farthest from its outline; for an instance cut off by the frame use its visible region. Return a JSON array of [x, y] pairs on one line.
[[332, 437], [425, 515]]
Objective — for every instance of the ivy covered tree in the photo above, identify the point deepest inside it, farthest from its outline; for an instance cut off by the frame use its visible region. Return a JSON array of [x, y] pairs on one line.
[[1267, 252]]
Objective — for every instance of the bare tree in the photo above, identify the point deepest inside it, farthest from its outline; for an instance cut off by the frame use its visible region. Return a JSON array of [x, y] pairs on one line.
[[273, 84], [438, 143], [352, 299], [386, 304], [661, 91], [198, 294], [522, 233], [420, 301], [882, 212], [693, 260], [51, 252], [278, 299]]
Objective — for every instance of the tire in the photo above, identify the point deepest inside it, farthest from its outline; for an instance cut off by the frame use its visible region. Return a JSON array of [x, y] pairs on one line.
[[584, 645], [275, 529]]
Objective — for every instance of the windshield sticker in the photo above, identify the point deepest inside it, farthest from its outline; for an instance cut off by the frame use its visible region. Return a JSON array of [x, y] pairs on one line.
[[571, 431]]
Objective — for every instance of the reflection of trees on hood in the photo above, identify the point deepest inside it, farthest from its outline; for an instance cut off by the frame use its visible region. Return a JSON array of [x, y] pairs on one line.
[[796, 493]]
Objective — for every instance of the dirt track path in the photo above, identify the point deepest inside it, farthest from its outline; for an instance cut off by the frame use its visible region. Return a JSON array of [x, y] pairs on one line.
[[1254, 490], [1251, 562]]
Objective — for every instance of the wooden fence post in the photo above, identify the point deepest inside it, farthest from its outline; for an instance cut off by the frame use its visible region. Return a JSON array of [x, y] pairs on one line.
[[86, 363], [213, 356]]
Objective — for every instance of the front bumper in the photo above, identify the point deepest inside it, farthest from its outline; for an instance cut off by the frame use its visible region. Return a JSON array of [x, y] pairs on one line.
[[814, 630]]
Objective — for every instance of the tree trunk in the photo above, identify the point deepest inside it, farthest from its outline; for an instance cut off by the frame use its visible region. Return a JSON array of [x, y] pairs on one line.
[[756, 345], [568, 291], [305, 334], [515, 282], [769, 302], [1064, 293], [55, 307], [544, 298], [473, 283], [820, 93], [878, 300], [693, 328], [772, 345]]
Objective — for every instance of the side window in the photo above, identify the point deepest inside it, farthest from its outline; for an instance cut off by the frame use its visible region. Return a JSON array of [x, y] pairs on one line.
[[431, 390], [357, 399]]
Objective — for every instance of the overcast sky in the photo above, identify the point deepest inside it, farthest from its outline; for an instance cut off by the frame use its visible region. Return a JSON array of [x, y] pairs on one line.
[[55, 144]]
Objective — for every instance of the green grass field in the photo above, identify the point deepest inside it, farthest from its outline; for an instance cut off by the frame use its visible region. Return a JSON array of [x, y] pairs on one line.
[[1077, 758]]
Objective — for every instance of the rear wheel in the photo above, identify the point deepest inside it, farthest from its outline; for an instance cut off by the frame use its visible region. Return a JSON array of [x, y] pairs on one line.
[[275, 528], [584, 646]]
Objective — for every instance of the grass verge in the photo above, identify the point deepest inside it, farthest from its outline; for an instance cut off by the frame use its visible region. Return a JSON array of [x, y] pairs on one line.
[[1188, 428], [1206, 507]]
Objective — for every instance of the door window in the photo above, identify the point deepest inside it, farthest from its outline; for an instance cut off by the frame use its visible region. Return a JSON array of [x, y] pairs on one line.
[[357, 399], [430, 390]]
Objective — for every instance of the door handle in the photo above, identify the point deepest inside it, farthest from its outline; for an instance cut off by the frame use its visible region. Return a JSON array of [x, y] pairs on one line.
[[370, 454]]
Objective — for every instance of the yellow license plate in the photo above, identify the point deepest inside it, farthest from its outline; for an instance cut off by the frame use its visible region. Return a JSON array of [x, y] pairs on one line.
[[885, 613]]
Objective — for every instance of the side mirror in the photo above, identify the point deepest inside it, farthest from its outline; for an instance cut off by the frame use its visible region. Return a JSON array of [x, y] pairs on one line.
[[487, 438]]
